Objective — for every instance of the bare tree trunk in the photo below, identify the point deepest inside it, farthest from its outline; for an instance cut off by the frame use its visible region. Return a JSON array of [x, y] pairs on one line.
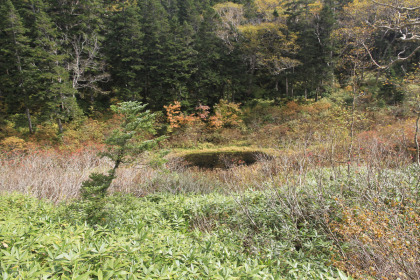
[[28, 116], [332, 151], [250, 81], [350, 152], [353, 106], [287, 87], [293, 93], [60, 126]]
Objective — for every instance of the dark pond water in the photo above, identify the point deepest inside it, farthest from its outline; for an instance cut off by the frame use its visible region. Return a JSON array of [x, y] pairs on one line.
[[223, 159]]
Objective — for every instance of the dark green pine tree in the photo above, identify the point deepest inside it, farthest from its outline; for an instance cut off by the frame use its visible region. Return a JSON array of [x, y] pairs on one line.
[[188, 12], [155, 27], [183, 20], [178, 63], [18, 72], [56, 91], [220, 72], [325, 27], [315, 73], [125, 50]]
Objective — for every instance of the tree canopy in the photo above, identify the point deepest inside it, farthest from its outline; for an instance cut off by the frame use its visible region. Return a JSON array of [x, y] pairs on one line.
[[62, 59]]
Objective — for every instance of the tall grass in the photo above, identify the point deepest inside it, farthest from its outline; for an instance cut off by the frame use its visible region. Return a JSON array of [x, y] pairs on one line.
[[57, 175], [47, 174]]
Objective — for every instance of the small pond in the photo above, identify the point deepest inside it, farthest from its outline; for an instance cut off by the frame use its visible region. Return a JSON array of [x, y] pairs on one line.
[[223, 159]]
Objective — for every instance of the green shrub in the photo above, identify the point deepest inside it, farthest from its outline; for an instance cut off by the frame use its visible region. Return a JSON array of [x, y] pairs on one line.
[[123, 143]]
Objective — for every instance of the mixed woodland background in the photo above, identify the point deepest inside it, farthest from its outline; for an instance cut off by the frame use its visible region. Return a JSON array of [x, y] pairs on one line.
[[61, 61]]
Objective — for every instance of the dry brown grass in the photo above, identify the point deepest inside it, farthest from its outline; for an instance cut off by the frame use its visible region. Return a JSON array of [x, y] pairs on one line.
[[48, 174], [58, 175]]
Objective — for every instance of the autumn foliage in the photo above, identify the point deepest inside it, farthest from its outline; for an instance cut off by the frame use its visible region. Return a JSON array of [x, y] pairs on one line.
[[383, 242], [226, 114], [177, 118]]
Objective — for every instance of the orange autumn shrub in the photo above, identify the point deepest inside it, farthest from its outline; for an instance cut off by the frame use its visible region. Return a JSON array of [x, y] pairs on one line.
[[226, 114], [392, 143], [291, 110], [177, 118], [203, 111], [317, 107], [189, 128], [216, 121]]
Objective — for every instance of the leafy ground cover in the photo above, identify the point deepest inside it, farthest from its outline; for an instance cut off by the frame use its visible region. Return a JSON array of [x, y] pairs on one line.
[[155, 237], [364, 222]]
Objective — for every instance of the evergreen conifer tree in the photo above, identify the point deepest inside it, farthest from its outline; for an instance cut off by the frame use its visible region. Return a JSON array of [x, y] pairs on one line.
[[18, 73]]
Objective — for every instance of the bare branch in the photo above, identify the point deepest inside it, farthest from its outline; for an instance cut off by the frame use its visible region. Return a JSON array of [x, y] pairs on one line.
[[400, 9], [371, 57], [399, 58]]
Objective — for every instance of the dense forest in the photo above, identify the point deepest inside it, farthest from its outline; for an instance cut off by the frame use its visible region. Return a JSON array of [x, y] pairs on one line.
[[60, 60]]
